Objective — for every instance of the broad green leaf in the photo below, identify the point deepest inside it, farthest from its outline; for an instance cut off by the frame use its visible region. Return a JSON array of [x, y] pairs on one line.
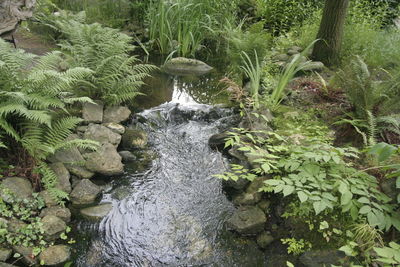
[[319, 206], [365, 209], [363, 200], [372, 219], [398, 182], [384, 252], [273, 182], [302, 196], [266, 167], [346, 198], [287, 190]]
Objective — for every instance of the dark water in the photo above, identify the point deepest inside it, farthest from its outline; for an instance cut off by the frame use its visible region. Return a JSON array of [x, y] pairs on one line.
[[171, 211]]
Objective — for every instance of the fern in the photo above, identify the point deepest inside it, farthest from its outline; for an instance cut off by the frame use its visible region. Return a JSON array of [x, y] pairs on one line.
[[117, 76]]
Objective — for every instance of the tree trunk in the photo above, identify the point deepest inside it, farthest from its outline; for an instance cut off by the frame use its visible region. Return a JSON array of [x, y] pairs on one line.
[[12, 12], [331, 32]]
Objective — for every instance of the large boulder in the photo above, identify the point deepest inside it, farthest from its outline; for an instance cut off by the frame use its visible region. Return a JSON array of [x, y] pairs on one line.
[[48, 198], [52, 226], [247, 221], [85, 192], [102, 135], [217, 141], [13, 11], [19, 187], [127, 156], [134, 139], [92, 112], [63, 176], [321, 258], [116, 114], [105, 161], [96, 212], [58, 211], [73, 161], [55, 255], [186, 66]]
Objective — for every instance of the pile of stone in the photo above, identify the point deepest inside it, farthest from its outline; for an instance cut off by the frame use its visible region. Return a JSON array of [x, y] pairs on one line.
[[283, 59], [74, 169]]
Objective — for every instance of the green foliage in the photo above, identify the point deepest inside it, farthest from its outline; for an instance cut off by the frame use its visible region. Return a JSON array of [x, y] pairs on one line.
[[184, 25], [280, 16], [28, 232], [112, 13], [253, 72], [389, 256], [296, 247], [116, 77], [371, 99]]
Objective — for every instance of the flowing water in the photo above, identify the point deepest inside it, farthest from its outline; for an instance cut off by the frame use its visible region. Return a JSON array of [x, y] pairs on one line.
[[172, 211]]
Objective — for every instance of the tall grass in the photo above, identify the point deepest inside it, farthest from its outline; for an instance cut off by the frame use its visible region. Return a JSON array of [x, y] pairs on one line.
[[253, 72]]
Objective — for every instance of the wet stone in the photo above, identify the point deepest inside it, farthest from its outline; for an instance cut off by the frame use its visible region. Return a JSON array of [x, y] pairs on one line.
[[53, 226], [247, 221], [96, 212], [264, 239], [58, 211], [85, 192], [55, 255]]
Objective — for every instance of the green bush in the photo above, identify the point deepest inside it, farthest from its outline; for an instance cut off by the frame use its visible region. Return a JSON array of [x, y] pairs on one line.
[[116, 76]]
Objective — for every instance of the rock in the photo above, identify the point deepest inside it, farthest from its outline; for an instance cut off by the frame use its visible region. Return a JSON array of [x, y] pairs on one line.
[[116, 114], [3, 264], [55, 255], [14, 11], [302, 59], [186, 66], [313, 66], [49, 200], [115, 127], [321, 258], [15, 225], [134, 139], [264, 205], [27, 254], [127, 156], [102, 135], [105, 161], [247, 221], [294, 50], [5, 253], [63, 177], [217, 141], [85, 192], [240, 184], [21, 188], [82, 128], [264, 239], [61, 212], [73, 161], [245, 199], [255, 186], [280, 57], [96, 212], [53, 226], [92, 113]]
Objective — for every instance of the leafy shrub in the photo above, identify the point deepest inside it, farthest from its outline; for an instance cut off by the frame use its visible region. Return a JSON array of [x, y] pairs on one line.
[[280, 16], [116, 77]]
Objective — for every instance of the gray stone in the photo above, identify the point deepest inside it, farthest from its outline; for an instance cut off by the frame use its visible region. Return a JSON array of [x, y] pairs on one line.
[[127, 156], [14, 11], [102, 135], [105, 161], [73, 161], [85, 192], [186, 66], [244, 199], [247, 220], [115, 127], [53, 226], [49, 200], [134, 139], [294, 50], [5, 253], [116, 114], [218, 140], [21, 188], [27, 254], [313, 66], [61, 212], [82, 128], [92, 113], [3, 264], [280, 57], [15, 225], [55, 255], [240, 184], [264, 239], [264, 205], [63, 177], [321, 258], [96, 212]]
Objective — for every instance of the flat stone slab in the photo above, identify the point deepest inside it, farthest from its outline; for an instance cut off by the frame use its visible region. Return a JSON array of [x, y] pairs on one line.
[[186, 66], [96, 212]]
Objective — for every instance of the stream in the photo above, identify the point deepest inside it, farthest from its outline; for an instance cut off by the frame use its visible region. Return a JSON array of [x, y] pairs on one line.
[[170, 211]]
